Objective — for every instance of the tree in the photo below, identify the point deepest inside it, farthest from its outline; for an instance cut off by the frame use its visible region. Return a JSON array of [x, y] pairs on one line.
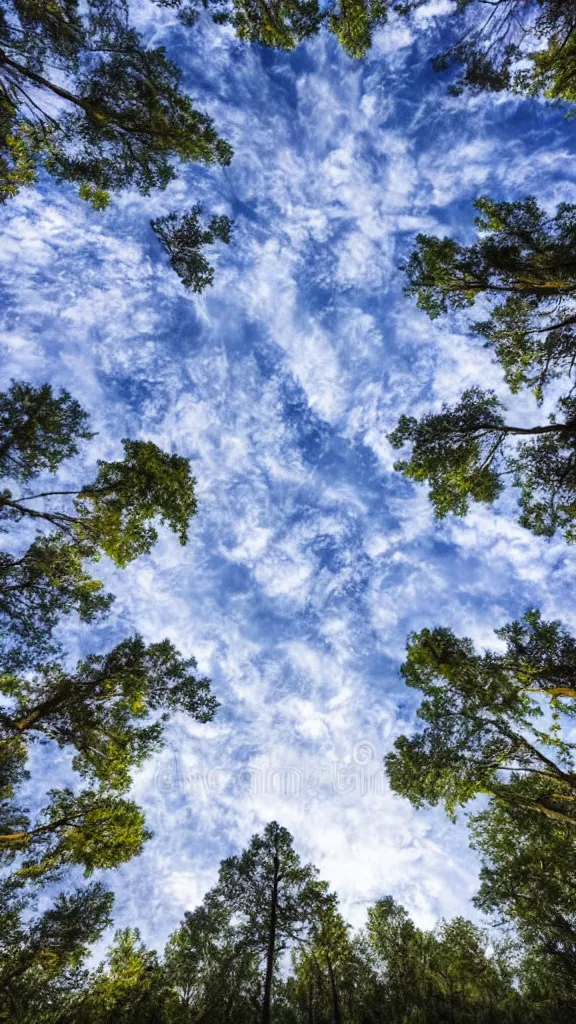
[[36, 590], [526, 259], [448, 974], [523, 264], [528, 48], [481, 734], [129, 988], [353, 23], [211, 975], [92, 829], [115, 515], [525, 881], [283, 24], [326, 959], [83, 97], [114, 512], [38, 430], [111, 710], [183, 238], [274, 895], [40, 961], [97, 709], [465, 450]]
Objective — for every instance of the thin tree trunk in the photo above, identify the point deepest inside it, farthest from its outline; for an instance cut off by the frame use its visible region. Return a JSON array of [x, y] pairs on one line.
[[336, 1015], [271, 951], [33, 76], [310, 1000]]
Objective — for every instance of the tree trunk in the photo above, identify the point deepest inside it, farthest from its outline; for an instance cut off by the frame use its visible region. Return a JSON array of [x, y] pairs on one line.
[[336, 1015], [39, 80], [270, 953], [310, 1006]]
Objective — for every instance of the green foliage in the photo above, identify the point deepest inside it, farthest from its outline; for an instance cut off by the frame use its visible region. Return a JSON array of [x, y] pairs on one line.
[[115, 514], [353, 22], [40, 961], [93, 829], [129, 988], [210, 973], [493, 725], [122, 119], [273, 896], [183, 238], [497, 51], [109, 712], [96, 709], [283, 24], [456, 451], [524, 877], [36, 590], [247, 882], [466, 451], [521, 256], [116, 510], [38, 430], [445, 974], [481, 724]]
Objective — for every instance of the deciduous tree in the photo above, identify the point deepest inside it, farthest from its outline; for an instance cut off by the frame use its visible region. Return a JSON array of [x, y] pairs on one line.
[[183, 237], [481, 717], [41, 959], [94, 829]]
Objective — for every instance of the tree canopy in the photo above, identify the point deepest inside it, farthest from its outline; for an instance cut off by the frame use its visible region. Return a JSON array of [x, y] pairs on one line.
[[497, 724], [86, 99], [110, 711], [283, 24], [522, 265], [115, 514], [273, 894], [96, 709], [184, 238], [524, 47], [483, 731]]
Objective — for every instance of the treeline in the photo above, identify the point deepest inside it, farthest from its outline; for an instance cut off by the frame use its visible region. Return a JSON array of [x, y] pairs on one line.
[[268, 942]]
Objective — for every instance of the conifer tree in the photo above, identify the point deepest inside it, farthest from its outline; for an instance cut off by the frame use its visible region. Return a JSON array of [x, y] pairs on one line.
[[274, 895], [523, 265]]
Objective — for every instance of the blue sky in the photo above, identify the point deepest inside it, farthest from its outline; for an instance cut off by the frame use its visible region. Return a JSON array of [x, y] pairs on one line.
[[310, 560]]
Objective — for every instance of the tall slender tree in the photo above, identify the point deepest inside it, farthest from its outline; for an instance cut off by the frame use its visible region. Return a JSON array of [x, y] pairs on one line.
[[273, 894]]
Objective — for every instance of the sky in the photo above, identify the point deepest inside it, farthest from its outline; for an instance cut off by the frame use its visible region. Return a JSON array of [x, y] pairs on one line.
[[310, 559]]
